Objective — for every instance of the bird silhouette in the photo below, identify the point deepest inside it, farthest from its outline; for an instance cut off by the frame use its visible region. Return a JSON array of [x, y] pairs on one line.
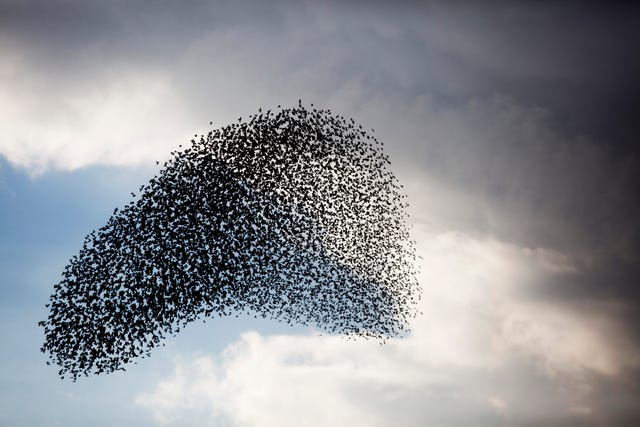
[[290, 214]]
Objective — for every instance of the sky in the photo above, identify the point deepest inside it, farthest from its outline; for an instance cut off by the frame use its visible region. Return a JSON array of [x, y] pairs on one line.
[[513, 127]]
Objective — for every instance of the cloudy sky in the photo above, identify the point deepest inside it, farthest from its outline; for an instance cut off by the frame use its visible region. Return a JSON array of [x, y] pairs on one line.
[[513, 126]]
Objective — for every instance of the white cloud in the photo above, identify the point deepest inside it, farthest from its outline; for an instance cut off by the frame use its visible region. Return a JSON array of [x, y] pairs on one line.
[[482, 354], [122, 116]]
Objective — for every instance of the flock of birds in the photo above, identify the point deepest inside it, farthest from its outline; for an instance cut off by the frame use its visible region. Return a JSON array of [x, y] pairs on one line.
[[291, 214]]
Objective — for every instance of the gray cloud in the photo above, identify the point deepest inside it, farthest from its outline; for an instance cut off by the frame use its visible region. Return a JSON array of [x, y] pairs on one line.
[[571, 57]]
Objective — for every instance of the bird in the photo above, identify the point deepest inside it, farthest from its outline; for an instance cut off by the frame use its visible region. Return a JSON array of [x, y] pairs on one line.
[[292, 214]]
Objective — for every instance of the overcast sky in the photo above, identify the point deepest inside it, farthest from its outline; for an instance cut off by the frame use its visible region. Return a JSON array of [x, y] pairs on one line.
[[513, 126]]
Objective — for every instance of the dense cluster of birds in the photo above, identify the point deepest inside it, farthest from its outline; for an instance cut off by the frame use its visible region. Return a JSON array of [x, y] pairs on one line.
[[291, 214]]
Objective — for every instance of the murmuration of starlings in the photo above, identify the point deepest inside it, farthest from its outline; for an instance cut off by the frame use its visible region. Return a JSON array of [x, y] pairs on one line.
[[291, 214]]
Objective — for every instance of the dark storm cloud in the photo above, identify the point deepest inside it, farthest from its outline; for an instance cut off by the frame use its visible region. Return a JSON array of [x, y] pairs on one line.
[[63, 34], [574, 57]]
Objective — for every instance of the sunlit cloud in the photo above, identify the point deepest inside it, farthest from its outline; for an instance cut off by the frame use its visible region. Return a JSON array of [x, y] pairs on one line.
[[482, 349], [125, 116]]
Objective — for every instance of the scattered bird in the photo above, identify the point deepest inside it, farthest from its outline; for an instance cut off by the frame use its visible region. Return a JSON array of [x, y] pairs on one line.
[[290, 215]]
